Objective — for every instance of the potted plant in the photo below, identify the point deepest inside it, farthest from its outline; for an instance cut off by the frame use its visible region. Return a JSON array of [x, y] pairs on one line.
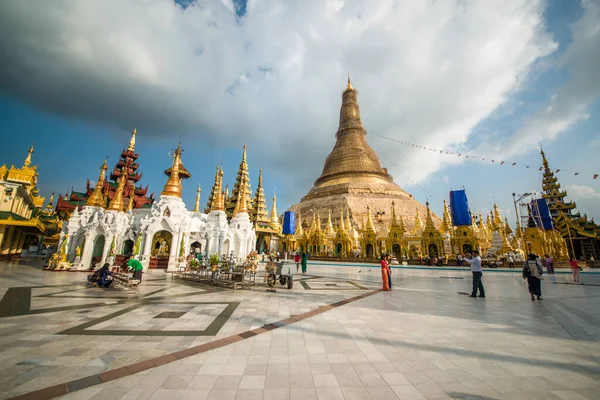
[[213, 261], [195, 264]]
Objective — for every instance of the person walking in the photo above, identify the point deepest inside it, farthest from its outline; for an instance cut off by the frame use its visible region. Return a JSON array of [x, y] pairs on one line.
[[459, 259], [533, 271], [575, 270], [475, 263], [511, 260], [549, 264], [297, 261], [385, 273], [304, 262]]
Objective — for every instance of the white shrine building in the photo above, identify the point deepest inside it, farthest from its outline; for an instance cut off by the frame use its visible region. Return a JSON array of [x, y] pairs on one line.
[[161, 236]]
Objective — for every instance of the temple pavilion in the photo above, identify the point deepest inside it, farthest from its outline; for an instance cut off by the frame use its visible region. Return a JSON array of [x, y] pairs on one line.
[[24, 221]]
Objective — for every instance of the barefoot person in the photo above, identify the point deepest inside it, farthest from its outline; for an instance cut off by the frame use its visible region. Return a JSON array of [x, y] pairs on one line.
[[475, 263], [532, 271], [385, 273]]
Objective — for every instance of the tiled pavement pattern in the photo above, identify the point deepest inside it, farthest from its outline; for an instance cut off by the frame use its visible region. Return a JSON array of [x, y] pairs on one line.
[[422, 340]]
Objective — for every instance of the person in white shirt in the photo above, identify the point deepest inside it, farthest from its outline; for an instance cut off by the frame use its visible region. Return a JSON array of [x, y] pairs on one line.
[[475, 262], [511, 260]]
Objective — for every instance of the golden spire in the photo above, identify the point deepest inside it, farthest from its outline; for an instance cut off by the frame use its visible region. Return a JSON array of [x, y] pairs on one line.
[[418, 223], [507, 229], [28, 158], [446, 226], [299, 229], [97, 199], [329, 227], [218, 203], [116, 204], [316, 222], [369, 219], [213, 193], [50, 201], [341, 226], [235, 193], [393, 219], [197, 206], [259, 210], [402, 229], [226, 197], [131, 198], [241, 206], [349, 87], [429, 221], [349, 226], [176, 174], [132, 141], [274, 218], [497, 218]]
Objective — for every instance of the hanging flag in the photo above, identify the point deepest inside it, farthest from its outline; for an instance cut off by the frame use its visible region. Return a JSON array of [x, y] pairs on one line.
[[459, 208], [541, 214], [289, 223]]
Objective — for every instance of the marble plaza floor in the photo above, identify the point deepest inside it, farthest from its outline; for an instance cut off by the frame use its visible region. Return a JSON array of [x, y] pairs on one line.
[[333, 336]]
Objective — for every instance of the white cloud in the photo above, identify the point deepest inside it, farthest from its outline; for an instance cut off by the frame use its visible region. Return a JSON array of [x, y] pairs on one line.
[[571, 102], [587, 199], [427, 72]]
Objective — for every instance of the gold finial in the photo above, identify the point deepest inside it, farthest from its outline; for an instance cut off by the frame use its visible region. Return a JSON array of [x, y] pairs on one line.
[[260, 178], [341, 226], [244, 155], [274, 217], [116, 204], [176, 174], [197, 206], [97, 197], [50, 202], [131, 198], [393, 219], [349, 87], [132, 141], [28, 158]]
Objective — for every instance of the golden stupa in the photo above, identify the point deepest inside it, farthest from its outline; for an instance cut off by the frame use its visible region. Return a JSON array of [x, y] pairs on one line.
[[354, 180]]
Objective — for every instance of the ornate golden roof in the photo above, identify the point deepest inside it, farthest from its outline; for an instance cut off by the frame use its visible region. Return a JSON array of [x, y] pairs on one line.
[[218, 203], [132, 141], [242, 176], [176, 174], [259, 211]]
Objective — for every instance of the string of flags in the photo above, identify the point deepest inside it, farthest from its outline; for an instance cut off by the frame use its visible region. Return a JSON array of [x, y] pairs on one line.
[[476, 157]]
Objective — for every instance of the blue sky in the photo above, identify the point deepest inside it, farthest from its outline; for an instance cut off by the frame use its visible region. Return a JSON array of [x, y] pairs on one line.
[[216, 75]]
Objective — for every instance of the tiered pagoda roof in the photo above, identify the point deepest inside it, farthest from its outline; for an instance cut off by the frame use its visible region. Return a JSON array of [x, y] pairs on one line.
[[241, 178], [569, 224], [102, 195]]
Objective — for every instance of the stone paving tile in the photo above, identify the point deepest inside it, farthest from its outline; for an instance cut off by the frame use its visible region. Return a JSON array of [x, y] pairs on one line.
[[422, 340]]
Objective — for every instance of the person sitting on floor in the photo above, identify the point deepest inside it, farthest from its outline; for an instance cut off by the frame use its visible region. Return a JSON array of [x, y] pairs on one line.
[[103, 274]]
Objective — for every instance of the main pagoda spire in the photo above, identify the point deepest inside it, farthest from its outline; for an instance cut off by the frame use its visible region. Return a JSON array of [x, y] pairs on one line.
[[351, 154], [242, 177], [213, 193]]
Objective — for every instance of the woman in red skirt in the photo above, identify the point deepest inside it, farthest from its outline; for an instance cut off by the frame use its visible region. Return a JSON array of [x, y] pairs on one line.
[[385, 272]]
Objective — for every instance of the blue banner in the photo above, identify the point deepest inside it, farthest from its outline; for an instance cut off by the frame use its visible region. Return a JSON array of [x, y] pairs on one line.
[[289, 223], [459, 208], [541, 214]]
